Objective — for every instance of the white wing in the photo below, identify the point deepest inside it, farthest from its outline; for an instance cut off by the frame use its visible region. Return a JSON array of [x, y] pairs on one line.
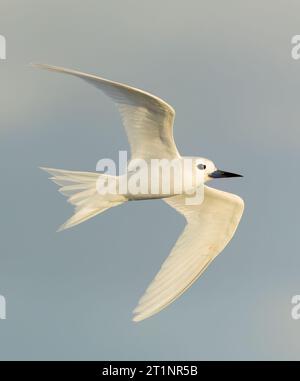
[[148, 120], [210, 226]]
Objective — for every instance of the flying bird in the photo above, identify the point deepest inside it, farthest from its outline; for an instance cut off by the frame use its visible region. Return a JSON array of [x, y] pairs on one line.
[[210, 225]]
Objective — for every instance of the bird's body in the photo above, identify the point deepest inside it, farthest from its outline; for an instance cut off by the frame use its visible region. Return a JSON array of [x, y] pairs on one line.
[[162, 178], [156, 170]]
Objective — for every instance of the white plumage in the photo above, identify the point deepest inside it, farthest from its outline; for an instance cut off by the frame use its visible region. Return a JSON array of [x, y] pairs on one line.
[[148, 121], [210, 226]]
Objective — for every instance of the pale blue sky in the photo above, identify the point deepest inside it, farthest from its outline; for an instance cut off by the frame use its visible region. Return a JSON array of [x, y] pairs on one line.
[[226, 68]]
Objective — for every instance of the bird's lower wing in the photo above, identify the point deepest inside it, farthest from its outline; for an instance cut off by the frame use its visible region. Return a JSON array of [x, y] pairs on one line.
[[210, 226]]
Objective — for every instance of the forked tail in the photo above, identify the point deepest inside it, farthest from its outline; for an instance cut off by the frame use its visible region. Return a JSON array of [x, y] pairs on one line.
[[81, 190]]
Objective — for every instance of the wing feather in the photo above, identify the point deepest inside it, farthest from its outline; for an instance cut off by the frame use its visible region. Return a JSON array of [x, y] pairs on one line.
[[210, 226], [148, 120]]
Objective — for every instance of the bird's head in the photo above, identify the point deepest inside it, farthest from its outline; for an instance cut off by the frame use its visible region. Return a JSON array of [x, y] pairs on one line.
[[211, 171]]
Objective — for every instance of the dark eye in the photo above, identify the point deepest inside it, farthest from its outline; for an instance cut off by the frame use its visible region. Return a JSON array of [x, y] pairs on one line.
[[201, 166]]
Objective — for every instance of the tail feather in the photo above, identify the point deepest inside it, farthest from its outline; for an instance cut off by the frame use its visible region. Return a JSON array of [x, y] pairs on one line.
[[69, 190], [81, 190], [82, 215]]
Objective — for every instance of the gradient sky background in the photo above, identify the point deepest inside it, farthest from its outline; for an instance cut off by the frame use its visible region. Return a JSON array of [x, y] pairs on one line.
[[226, 67]]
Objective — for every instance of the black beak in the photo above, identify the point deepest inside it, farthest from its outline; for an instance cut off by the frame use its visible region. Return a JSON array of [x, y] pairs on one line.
[[221, 174]]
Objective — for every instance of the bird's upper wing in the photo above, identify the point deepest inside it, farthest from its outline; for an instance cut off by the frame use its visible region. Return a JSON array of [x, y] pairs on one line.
[[148, 120], [210, 226]]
